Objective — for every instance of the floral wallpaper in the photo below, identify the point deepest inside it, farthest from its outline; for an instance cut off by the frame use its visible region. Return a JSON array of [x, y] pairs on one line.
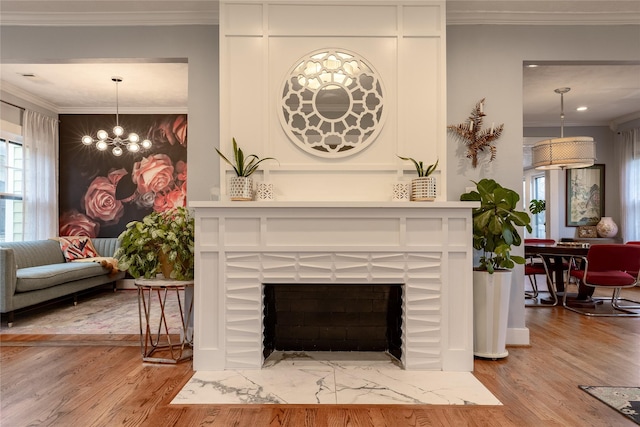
[[100, 193]]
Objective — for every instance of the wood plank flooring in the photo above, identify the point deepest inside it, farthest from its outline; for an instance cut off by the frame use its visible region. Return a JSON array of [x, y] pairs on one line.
[[94, 380]]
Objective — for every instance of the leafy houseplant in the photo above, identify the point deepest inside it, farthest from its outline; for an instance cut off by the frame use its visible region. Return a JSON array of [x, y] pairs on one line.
[[424, 186], [160, 236], [537, 206], [244, 167], [494, 224], [494, 233]]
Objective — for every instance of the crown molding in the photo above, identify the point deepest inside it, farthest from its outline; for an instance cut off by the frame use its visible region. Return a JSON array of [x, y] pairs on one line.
[[29, 97], [107, 19], [476, 17], [206, 12], [615, 123], [121, 111]]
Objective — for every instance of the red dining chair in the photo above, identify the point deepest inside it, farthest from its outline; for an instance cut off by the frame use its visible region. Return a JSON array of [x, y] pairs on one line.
[[608, 266], [633, 273], [535, 266]]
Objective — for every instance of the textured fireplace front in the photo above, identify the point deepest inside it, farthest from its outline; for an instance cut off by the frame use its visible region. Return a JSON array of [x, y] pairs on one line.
[[332, 317]]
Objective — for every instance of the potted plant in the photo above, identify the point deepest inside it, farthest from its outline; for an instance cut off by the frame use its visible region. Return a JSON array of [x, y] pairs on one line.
[[495, 232], [160, 242], [241, 186], [424, 186]]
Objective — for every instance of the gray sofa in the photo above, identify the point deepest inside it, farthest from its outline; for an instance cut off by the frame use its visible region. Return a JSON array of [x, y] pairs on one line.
[[35, 272]]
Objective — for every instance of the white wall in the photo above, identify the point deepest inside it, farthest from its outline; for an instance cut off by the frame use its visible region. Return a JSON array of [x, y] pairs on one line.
[[198, 44], [486, 61]]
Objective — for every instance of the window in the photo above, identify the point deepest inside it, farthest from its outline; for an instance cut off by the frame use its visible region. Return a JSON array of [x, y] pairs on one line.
[[537, 193], [11, 189]]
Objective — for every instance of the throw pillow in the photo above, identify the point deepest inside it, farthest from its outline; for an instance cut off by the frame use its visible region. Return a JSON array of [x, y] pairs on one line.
[[77, 247]]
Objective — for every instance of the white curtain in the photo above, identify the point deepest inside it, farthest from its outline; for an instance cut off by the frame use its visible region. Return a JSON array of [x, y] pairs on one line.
[[40, 135], [629, 161]]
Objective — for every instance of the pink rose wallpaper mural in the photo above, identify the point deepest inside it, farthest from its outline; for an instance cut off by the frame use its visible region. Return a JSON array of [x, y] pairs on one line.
[[100, 193]]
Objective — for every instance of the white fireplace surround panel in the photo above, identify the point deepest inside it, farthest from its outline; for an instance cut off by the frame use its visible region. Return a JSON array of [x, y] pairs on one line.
[[424, 247]]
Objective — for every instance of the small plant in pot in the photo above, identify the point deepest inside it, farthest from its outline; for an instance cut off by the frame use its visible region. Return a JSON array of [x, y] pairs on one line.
[[241, 186], [423, 188], [160, 242], [495, 232]]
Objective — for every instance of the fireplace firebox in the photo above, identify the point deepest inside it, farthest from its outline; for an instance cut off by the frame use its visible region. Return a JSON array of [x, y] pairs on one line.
[[333, 317]]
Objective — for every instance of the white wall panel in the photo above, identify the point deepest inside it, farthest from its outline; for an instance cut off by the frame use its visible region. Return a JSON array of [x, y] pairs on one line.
[[422, 20], [403, 41], [243, 19], [332, 19]]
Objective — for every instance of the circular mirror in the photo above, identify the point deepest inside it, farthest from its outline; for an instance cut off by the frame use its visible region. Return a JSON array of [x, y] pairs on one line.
[[331, 103]]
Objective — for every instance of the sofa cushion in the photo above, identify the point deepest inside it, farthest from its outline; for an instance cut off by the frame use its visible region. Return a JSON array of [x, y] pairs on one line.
[[46, 276], [77, 247], [36, 252]]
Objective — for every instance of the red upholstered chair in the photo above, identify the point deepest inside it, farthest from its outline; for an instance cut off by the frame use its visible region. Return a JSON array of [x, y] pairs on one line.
[[607, 266], [633, 273], [536, 266]]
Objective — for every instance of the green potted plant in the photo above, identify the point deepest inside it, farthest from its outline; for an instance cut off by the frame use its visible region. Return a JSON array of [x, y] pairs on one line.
[[495, 232], [537, 206], [160, 242], [241, 186], [424, 186]]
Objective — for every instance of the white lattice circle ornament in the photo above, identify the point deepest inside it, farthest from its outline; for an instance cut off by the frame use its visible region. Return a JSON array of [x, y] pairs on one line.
[[332, 103]]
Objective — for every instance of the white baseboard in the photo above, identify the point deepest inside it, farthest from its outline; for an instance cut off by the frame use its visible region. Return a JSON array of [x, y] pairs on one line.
[[518, 336]]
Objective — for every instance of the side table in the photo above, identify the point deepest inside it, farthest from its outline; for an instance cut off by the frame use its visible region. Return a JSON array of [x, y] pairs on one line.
[[152, 342]]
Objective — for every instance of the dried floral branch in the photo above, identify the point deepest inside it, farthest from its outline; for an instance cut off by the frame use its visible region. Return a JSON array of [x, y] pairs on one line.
[[476, 138]]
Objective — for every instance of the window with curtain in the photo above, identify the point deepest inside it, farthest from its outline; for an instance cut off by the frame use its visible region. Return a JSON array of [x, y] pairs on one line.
[[629, 161], [11, 188], [40, 139]]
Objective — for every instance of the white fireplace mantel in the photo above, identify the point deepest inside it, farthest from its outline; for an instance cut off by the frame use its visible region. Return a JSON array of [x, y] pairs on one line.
[[426, 247]]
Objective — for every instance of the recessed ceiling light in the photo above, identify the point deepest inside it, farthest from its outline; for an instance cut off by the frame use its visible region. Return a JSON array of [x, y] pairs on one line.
[[583, 108], [28, 75], [532, 65]]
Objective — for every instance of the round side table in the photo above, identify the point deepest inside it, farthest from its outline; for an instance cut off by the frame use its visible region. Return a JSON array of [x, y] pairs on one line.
[[159, 346]]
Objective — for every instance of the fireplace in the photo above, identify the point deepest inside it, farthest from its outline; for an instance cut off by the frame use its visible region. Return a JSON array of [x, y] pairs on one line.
[[332, 317], [425, 248]]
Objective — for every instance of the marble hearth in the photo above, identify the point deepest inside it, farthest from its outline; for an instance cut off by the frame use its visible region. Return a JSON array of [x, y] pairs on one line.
[[425, 247]]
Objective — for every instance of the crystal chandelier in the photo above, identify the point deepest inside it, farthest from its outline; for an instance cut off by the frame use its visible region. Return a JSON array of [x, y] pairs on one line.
[[131, 142]]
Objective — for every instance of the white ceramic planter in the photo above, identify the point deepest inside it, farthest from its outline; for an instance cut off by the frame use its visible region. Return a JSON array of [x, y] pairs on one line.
[[423, 188], [490, 313], [241, 188]]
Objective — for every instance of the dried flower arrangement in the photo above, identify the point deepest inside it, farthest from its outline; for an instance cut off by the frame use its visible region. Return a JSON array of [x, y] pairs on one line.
[[476, 138]]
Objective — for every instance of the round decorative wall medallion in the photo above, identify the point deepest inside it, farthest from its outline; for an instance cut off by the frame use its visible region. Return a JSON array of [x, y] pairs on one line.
[[332, 103]]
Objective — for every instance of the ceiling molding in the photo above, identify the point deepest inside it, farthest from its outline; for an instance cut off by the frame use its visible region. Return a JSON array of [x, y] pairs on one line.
[[146, 110], [476, 17], [108, 19], [29, 97], [624, 119], [206, 12]]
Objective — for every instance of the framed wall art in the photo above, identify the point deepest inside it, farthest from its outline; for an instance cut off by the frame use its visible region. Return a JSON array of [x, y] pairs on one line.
[[585, 195]]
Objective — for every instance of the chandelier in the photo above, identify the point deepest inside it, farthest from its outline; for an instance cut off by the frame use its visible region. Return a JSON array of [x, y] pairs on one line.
[[117, 142], [564, 153]]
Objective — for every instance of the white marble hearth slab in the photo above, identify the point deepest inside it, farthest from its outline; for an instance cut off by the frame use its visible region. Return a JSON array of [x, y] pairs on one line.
[[334, 378]]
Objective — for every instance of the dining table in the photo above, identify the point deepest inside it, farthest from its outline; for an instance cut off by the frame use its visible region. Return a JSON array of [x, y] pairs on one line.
[[555, 257]]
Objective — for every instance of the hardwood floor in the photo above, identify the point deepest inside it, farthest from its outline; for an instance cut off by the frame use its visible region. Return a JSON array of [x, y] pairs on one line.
[[98, 380]]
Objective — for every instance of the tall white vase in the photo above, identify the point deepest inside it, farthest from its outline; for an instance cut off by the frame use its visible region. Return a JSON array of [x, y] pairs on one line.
[[490, 313]]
